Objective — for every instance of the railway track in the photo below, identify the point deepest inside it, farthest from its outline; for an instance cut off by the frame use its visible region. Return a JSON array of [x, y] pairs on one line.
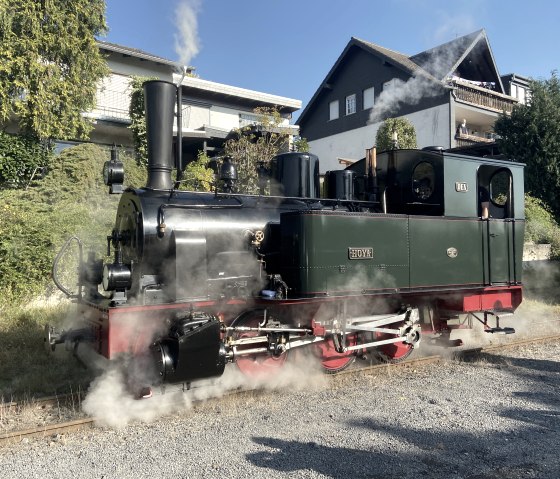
[[84, 423]]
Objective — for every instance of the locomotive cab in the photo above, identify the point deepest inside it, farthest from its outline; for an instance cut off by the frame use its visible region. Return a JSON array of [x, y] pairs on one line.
[[404, 182]]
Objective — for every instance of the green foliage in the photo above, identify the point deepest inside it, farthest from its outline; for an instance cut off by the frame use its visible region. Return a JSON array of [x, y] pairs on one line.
[[255, 144], [540, 226], [70, 200], [20, 157], [406, 135], [197, 176], [25, 368], [51, 64], [531, 134], [301, 144], [138, 118]]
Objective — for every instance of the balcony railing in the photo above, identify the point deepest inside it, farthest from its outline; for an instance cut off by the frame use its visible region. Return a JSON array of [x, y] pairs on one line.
[[112, 105], [482, 97], [112, 114], [462, 139]]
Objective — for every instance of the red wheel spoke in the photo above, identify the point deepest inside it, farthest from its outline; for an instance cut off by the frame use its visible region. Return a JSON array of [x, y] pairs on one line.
[[393, 352], [333, 361], [259, 365]]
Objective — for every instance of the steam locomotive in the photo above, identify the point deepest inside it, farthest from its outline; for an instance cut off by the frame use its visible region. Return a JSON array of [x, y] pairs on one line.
[[397, 249]]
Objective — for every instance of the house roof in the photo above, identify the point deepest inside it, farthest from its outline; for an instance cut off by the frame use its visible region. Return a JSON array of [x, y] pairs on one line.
[[394, 57], [469, 57], [215, 90], [442, 60], [134, 52], [228, 92]]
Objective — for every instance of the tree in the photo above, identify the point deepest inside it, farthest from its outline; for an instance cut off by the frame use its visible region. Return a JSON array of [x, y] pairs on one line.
[[406, 135], [137, 113], [50, 64], [197, 175], [257, 144], [301, 144], [531, 134], [22, 158]]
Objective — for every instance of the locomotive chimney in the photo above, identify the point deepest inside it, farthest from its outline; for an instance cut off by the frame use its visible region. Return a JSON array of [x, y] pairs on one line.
[[159, 102]]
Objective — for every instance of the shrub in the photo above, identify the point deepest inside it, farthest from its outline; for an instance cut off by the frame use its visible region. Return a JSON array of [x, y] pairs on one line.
[[20, 158], [541, 226], [70, 200], [406, 134]]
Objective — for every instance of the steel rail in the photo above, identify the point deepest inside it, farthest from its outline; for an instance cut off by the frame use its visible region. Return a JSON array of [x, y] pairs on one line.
[[79, 424], [47, 430]]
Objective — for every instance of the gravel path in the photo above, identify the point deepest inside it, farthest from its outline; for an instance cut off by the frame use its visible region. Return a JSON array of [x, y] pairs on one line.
[[497, 416]]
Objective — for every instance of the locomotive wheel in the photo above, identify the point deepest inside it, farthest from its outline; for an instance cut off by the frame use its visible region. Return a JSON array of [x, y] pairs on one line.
[[393, 352], [331, 360], [262, 364]]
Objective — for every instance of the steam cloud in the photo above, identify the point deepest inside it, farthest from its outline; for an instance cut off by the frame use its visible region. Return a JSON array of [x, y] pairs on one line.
[[399, 92], [187, 43], [111, 404], [419, 86]]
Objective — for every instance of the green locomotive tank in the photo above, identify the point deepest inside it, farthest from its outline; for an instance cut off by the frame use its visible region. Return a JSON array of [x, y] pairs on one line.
[[431, 236]]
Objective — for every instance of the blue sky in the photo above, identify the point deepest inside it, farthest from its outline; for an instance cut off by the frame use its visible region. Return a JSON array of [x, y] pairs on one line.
[[286, 47]]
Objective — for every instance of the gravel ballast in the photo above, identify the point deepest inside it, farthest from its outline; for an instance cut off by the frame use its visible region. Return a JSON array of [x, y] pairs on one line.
[[493, 416]]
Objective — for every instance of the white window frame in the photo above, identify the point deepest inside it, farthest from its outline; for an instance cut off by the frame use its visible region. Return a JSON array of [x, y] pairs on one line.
[[368, 98], [513, 90], [522, 95], [334, 110], [351, 104]]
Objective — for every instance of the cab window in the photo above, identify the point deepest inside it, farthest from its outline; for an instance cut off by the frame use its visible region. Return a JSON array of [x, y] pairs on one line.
[[423, 181], [497, 182]]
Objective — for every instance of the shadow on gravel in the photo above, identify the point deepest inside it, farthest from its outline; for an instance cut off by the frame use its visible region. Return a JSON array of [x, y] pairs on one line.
[[336, 462], [450, 456], [530, 448], [535, 365]]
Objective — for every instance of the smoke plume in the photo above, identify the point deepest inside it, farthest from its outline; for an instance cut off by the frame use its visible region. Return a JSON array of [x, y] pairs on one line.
[[111, 403], [399, 93], [424, 83], [187, 43]]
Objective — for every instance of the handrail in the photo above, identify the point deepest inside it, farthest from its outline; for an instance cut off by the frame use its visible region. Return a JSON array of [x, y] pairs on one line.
[[479, 96], [57, 259]]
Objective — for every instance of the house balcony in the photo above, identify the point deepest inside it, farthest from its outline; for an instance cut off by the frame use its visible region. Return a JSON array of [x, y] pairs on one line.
[[462, 139], [112, 106], [471, 94]]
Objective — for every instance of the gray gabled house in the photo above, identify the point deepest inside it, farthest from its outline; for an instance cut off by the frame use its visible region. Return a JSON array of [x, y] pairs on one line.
[[437, 90]]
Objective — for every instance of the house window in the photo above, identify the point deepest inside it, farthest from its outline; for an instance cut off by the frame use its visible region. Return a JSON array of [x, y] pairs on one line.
[[351, 104], [521, 95], [248, 119], [389, 84], [368, 98], [514, 91], [333, 110]]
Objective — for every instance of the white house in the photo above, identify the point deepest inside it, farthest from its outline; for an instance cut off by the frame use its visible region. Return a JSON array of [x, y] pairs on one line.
[[210, 110]]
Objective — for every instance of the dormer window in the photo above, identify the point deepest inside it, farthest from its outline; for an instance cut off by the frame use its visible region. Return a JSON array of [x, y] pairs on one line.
[[351, 104]]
